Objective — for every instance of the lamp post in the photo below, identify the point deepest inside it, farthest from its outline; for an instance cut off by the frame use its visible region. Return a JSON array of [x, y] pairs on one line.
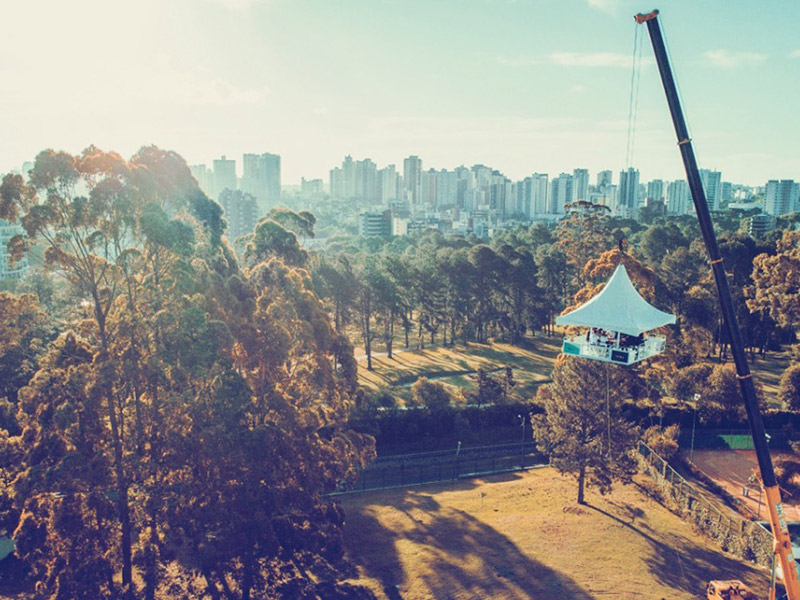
[[522, 447], [694, 420]]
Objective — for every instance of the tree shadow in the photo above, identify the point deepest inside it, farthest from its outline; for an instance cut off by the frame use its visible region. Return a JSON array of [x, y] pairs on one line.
[[679, 562], [454, 554]]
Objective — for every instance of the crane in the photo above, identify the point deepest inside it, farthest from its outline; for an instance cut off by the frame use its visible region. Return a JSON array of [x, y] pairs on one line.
[[780, 532]]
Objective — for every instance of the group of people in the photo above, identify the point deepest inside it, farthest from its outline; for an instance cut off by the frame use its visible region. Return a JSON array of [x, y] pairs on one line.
[[603, 337]]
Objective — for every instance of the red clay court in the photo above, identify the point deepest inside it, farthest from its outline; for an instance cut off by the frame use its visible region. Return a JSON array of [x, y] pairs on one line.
[[732, 469]]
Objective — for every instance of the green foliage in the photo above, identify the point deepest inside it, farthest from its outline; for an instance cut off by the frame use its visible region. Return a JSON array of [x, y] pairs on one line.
[[789, 387], [582, 429], [663, 440], [431, 395], [191, 419]]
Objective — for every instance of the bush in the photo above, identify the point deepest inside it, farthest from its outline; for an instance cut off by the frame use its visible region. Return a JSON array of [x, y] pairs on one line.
[[789, 388], [430, 394], [663, 440]]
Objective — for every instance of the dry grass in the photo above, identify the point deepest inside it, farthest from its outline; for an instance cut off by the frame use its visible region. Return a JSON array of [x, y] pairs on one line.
[[768, 372], [516, 537], [457, 365]]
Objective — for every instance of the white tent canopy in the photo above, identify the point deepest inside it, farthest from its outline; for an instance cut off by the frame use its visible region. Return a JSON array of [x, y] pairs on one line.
[[618, 307]]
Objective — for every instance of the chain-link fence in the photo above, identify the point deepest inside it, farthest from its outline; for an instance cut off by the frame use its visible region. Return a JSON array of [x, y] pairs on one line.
[[445, 465], [734, 533]]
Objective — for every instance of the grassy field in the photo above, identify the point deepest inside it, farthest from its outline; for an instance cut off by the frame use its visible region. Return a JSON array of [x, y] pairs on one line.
[[768, 372], [457, 366], [521, 536], [532, 362]]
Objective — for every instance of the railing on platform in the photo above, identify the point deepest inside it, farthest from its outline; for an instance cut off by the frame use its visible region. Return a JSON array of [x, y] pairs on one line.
[[578, 345]]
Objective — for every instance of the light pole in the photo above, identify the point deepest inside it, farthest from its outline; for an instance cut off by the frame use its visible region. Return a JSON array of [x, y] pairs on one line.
[[522, 447], [694, 420]]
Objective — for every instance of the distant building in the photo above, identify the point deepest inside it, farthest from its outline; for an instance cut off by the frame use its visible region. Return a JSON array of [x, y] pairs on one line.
[[560, 193], [604, 178], [760, 225], [241, 212], [224, 176], [628, 195], [679, 200], [8, 231], [781, 197], [712, 186], [375, 224], [412, 171], [389, 184], [655, 190], [580, 186], [204, 178], [311, 188], [261, 178]]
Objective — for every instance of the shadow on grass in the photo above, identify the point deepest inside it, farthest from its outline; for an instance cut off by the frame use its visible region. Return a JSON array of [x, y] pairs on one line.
[[456, 554], [677, 561]]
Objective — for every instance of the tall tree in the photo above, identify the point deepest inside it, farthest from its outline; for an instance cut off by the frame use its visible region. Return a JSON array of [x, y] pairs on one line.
[[582, 429]]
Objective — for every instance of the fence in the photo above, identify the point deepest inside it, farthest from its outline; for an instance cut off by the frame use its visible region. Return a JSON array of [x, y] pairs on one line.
[[735, 534], [446, 465], [728, 439]]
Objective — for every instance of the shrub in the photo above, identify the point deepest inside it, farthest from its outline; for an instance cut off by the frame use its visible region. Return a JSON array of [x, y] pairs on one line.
[[789, 388]]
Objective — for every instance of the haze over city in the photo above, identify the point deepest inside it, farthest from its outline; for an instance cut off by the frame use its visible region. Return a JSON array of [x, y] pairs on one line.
[[521, 86]]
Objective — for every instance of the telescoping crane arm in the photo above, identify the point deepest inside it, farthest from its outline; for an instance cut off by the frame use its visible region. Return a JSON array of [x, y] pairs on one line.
[[780, 531]]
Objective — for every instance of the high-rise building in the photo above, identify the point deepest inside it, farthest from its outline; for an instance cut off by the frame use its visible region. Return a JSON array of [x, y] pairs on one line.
[[539, 189], [580, 186], [780, 197], [604, 178], [628, 195], [760, 224], [311, 188], [7, 271], [366, 184], [446, 189], [412, 169], [261, 178], [727, 193], [240, 212], [224, 176], [427, 187], [375, 224], [389, 182], [204, 178], [336, 183], [679, 200], [712, 186], [560, 193], [655, 190]]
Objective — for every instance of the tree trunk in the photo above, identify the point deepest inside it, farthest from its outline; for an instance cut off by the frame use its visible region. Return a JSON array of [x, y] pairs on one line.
[[581, 483], [212, 588]]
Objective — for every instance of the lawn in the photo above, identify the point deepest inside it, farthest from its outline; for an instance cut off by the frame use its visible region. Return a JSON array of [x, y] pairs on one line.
[[457, 366], [521, 536]]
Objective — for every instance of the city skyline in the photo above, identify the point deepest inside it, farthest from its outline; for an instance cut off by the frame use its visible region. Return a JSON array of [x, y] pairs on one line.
[[526, 85]]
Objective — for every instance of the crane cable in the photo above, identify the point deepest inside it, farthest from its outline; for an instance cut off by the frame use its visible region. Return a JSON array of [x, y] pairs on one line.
[[633, 103]]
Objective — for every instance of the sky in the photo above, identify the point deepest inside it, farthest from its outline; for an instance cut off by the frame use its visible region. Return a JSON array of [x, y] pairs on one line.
[[522, 86]]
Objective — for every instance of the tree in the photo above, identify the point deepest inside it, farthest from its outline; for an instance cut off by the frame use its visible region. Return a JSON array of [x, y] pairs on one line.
[[776, 281], [663, 440], [582, 429], [789, 387], [197, 412], [431, 395]]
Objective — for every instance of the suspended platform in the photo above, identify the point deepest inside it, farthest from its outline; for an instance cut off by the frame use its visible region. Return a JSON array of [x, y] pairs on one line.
[[618, 321], [579, 346]]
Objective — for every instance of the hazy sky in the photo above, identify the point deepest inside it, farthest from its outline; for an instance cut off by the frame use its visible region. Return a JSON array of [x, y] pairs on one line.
[[520, 85]]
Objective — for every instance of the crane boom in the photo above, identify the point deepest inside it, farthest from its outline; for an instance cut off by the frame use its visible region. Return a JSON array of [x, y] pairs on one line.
[[780, 531]]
